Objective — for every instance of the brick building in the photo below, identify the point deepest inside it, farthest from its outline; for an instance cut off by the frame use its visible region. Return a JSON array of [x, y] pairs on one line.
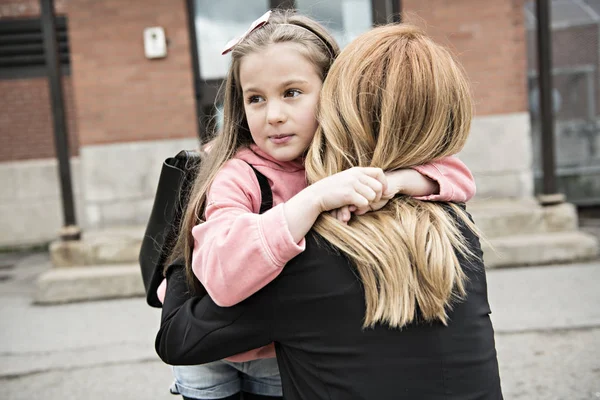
[[126, 112]]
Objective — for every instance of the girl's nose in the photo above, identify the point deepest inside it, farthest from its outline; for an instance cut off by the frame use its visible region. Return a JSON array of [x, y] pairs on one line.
[[275, 113]]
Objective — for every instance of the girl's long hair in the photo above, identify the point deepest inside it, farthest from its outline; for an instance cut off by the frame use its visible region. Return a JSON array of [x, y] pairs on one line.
[[395, 99], [316, 44]]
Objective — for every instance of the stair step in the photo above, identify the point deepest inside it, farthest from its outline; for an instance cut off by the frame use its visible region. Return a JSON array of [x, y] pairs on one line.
[[118, 245], [539, 249], [506, 218], [99, 282]]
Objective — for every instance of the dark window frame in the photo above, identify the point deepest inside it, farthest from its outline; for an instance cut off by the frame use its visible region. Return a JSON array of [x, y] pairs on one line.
[[22, 48], [206, 91]]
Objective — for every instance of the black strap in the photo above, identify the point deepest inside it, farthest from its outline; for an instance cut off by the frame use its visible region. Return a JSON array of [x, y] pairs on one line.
[[265, 191]]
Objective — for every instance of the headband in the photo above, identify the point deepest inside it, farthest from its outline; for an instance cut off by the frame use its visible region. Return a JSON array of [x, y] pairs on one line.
[[262, 21]]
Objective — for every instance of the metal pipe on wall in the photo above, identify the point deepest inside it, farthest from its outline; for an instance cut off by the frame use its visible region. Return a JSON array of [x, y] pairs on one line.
[[544, 53], [69, 231]]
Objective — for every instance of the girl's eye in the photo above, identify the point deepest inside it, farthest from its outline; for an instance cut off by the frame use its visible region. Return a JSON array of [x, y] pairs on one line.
[[254, 99], [292, 93]]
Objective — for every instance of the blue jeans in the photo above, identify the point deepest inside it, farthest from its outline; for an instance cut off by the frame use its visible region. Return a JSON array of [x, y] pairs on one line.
[[220, 379]]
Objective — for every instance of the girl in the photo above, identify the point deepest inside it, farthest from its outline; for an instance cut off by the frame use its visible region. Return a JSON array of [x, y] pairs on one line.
[[271, 96]]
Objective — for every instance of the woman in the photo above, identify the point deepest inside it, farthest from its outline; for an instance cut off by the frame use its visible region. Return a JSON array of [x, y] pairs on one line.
[[392, 305]]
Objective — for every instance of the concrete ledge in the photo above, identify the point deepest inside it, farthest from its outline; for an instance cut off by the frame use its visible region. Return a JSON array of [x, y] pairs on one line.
[[536, 249], [118, 245], [65, 285], [506, 217], [99, 282]]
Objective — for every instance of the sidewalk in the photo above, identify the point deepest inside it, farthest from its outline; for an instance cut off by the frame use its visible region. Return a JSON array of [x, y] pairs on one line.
[[547, 321]]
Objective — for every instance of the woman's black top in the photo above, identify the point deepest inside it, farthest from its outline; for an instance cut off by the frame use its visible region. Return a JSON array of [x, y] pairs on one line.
[[314, 311]]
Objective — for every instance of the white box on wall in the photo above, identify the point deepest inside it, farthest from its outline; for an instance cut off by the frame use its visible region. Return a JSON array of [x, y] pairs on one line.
[[155, 42]]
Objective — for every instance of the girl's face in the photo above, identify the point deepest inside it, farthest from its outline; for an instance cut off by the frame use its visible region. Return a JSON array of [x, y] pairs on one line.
[[281, 91]]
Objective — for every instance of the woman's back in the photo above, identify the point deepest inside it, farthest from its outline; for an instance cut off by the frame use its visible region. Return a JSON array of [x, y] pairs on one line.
[[314, 312], [318, 318]]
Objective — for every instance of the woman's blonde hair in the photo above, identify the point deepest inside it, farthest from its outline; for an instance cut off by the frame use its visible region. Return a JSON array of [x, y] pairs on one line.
[[316, 44], [395, 99]]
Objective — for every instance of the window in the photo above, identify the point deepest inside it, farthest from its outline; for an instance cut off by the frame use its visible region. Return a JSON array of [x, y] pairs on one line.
[[345, 19], [216, 22], [22, 48]]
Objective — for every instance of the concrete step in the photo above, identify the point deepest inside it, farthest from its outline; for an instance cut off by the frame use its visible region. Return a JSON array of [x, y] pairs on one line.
[[496, 219], [506, 218], [539, 249], [520, 232], [85, 283], [115, 245]]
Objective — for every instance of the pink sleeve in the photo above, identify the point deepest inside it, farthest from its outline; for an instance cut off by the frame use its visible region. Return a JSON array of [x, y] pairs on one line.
[[236, 250], [454, 178], [161, 291]]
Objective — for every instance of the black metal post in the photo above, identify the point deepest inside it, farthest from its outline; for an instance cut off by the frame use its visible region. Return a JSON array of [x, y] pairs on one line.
[[397, 10], [70, 231], [282, 4], [191, 13], [544, 53]]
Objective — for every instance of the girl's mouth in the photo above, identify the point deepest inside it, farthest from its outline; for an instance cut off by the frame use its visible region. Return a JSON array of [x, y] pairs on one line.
[[281, 139]]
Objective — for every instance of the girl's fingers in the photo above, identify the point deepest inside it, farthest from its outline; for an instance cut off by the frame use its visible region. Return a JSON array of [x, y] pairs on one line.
[[366, 192], [375, 185], [361, 211], [359, 200], [334, 213], [378, 174], [346, 214], [337, 214]]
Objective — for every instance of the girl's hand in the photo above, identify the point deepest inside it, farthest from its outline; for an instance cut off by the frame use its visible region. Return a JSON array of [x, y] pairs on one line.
[[385, 198], [343, 214], [406, 181], [358, 186]]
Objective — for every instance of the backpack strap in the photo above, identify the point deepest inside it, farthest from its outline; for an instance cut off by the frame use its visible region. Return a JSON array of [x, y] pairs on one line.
[[266, 194]]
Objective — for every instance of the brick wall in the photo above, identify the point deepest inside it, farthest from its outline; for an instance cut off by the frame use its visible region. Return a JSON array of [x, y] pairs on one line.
[[490, 40], [120, 95], [26, 130]]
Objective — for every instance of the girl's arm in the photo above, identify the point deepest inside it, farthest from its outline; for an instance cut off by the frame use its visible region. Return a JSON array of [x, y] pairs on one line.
[[454, 179], [237, 251], [447, 179]]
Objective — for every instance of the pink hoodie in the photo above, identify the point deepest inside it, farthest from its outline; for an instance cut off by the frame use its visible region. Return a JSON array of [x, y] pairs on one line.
[[238, 251]]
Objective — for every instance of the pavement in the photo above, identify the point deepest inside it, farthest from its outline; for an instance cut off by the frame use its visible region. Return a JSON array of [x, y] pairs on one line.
[[547, 322]]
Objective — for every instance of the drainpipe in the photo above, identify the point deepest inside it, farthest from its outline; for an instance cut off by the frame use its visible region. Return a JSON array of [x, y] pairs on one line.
[[70, 230], [397, 10], [544, 53]]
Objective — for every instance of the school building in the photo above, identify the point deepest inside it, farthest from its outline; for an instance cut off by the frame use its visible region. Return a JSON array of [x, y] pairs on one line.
[[129, 106]]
